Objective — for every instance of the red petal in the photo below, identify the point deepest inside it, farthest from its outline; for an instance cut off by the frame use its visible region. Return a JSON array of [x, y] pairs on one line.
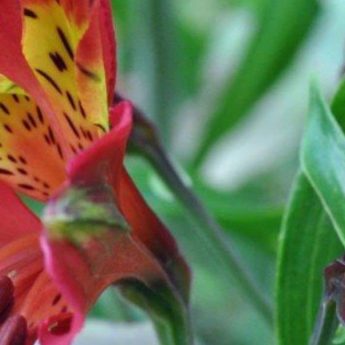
[[10, 41], [152, 233], [77, 10], [105, 156], [85, 270], [109, 46], [147, 226], [16, 219]]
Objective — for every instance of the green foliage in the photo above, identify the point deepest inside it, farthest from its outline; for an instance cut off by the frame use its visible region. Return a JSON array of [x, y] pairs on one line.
[[162, 49], [282, 29], [323, 160], [314, 229], [307, 244]]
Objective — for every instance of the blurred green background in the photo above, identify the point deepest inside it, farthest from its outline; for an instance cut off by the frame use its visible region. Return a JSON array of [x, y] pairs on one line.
[[226, 82]]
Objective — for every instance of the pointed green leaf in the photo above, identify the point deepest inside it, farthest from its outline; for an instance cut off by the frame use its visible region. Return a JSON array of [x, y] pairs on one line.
[[307, 244], [323, 160]]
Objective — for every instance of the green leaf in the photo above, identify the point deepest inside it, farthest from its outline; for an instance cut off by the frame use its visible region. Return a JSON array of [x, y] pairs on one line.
[[315, 216], [323, 160], [281, 31], [338, 105], [257, 5], [307, 244]]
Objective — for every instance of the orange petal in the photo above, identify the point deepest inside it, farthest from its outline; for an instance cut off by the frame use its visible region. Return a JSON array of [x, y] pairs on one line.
[[21, 260], [50, 304], [31, 158]]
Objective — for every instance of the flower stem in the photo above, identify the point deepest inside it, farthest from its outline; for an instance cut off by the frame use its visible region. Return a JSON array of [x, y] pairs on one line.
[[326, 324], [168, 313], [144, 140], [175, 332], [162, 27]]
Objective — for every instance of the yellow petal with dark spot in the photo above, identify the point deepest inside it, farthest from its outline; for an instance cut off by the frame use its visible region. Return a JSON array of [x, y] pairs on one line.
[[52, 34]]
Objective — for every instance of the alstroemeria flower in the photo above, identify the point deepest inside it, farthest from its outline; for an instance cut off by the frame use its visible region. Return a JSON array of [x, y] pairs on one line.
[[58, 145], [32, 305]]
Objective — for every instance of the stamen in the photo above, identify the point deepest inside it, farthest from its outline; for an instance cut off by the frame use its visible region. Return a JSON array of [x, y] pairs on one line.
[[14, 331]]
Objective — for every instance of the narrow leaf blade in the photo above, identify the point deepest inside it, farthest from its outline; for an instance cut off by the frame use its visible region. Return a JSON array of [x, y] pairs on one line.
[[307, 244], [323, 160]]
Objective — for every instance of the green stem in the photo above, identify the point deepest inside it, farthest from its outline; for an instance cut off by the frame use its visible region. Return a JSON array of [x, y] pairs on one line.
[[141, 56], [164, 55], [163, 333], [212, 231], [153, 57], [174, 328], [326, 324], [167, 311], [173, 333], [145, 141], [181, 329]]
